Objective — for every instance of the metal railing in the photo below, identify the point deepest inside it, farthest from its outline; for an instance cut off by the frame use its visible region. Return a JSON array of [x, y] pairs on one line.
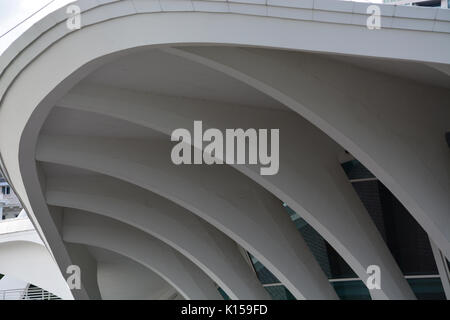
[[33, 293]]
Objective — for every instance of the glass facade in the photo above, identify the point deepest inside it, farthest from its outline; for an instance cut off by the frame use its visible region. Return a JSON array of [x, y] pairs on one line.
[[329, 260], [355, 170], [223, 294], [6, 190], [351, 290], [407, 241], [279, 292], [427, 288], [264, 275]]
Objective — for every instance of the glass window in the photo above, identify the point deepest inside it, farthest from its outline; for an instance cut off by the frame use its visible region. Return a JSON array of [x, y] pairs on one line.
[[6, 190], [264, 275], [427, 288], [329, 260], [355, 170], [276, 290], [407, 241], [351, 290], [223, 294], [279, 292]]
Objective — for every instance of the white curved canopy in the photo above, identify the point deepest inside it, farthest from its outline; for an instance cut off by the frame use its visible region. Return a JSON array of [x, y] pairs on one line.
[[105, 98]]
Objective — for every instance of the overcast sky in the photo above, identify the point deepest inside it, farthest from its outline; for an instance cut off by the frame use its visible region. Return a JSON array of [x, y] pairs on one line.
[[14, 11]]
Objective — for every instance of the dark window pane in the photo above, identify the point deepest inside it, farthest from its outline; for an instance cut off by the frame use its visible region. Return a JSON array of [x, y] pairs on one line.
[[329, 260], [355, 170], [369, 194], [427, 288], [351, 290], [223, 294], [339, 268], [279, 293], [406, 239], [264, 275]]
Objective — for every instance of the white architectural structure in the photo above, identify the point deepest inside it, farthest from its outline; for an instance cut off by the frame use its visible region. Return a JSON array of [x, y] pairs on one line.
[[89, 113], [25, 260]]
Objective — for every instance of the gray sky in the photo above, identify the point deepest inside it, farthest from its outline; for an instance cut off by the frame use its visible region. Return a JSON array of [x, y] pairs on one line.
[[13, 11]]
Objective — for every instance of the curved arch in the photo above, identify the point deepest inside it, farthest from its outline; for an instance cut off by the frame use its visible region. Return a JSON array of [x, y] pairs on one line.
[[90, 229], [79, 62], [122, 278], [15, 257], [19, 229], [205, 246], [311, 171], [93, 13], [394, 150], [234, 206]]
